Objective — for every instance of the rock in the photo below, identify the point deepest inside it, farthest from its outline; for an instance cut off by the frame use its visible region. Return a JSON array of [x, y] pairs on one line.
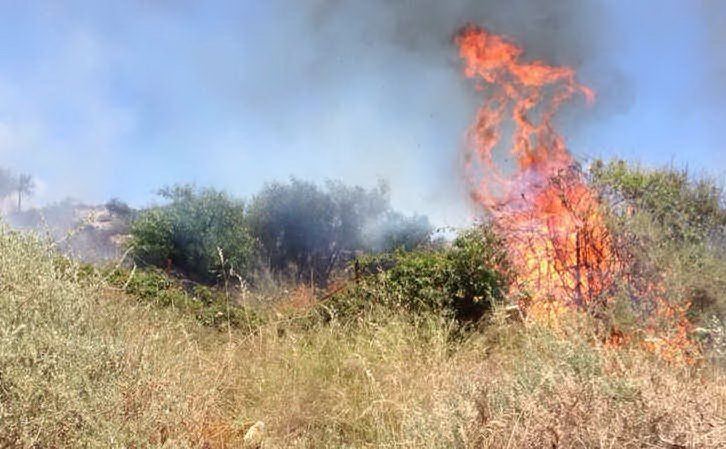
[[254, 436]]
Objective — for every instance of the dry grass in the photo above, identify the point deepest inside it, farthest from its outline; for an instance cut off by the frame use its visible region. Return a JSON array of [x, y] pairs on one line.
[[547, 390], [81, 366]]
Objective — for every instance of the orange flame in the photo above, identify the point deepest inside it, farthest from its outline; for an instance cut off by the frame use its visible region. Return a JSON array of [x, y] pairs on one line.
[[537, 197], [548, 214]]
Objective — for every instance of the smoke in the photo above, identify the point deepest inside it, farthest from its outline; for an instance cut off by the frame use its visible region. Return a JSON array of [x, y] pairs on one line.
[[714, 86], [401, 54], [575, 33], [118, 99], [705, 99], [89, 233]]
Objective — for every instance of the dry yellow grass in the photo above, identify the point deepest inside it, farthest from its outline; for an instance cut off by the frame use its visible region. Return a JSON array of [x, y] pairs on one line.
[[81, 366], [546, 390]]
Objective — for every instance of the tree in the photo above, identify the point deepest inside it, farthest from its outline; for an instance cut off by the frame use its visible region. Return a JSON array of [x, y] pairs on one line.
[[308, 231], [25, 186], [191, 231], [397, 231]]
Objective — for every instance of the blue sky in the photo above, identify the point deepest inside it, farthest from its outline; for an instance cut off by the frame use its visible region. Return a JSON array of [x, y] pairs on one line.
[[115, 99]]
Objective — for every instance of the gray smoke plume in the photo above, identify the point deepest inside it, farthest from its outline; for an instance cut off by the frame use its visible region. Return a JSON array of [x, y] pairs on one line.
[[565, 32], [714, 86], [405, 49], [707, 99], [91, 233], [351, 89]]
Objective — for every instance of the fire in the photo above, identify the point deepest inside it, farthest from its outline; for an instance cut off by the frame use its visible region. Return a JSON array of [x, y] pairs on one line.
[[547, 213], [536, 195]]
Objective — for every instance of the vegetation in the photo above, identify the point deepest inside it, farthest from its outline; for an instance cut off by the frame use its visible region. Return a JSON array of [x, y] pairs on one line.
[[84, 366], [19, 184], [120, 208], [295, 229], [463, 280], [202, 232], [687, 209], [24, 187], [395, 231], [211, 307], [142, 356], [673, 226], [314, 231]]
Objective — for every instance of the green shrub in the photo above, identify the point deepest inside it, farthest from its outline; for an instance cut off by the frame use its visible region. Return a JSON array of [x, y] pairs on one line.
[[461, 280], [209, 306], [671, 228], [202, 232], [310, 231], [685, 208]]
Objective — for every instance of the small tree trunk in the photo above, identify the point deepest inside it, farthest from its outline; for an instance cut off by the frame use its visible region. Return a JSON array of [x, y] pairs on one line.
[[20, 195]]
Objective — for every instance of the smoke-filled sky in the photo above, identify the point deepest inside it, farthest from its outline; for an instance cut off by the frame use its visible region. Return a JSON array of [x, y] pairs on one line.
[[103, 99]]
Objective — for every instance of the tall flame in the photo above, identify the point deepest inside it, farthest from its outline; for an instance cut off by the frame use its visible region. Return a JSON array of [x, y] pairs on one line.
[[542, 205], [538, 198]]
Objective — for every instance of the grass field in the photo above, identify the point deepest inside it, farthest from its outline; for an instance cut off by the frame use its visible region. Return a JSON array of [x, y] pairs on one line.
[[83, 364]]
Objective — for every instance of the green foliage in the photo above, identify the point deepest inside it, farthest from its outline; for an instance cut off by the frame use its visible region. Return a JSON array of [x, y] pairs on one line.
[[202, 232], [208, 306], [686, 209], [310, 231], [153, 237], [462, 280], [672, 227], [297, 229]]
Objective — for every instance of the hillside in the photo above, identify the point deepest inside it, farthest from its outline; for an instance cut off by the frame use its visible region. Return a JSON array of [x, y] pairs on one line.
[[92, 233]]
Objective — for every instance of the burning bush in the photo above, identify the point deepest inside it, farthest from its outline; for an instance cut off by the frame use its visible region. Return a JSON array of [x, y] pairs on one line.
[[552, 221], [544, 209], [671, 229]]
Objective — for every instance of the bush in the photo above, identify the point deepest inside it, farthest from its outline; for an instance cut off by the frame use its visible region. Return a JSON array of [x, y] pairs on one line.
[[83, 367], [208, 306], [119, 208], [667, 222], [462, 280], [310, 231], [191, 231], [690, 210], [296, 229]]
